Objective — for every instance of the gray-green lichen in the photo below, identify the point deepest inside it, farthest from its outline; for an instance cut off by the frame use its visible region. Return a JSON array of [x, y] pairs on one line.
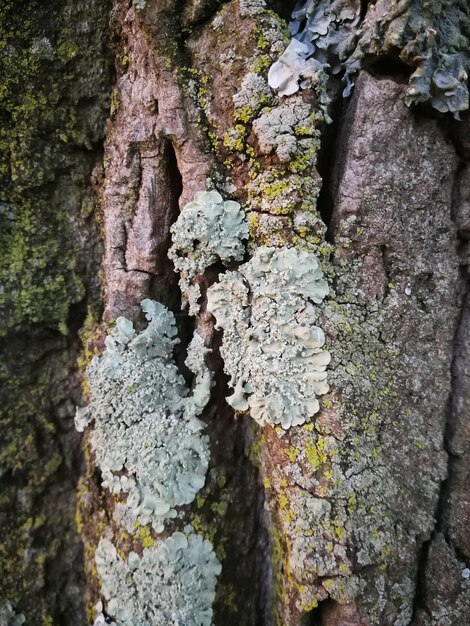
[[281, 130], [248, 8], [254, 91], [8, 617], [147, 438], [271, 347], [171, 584], [207, 230]]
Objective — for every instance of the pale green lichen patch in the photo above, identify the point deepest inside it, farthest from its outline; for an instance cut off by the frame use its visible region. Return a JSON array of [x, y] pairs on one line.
[[271, 347], [147, 439], [8, 617], [208, 229], [171, 583]]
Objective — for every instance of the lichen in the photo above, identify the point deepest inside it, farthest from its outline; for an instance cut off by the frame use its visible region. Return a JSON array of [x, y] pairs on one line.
[[8, 617], [271, 347], [253, 93], [208, 229], [433, 39], [289, 130], [172, 583], [146, 437], [329, 44], [324, 34], [248, 8]]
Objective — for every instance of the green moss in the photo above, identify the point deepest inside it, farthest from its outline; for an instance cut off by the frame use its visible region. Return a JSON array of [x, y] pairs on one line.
[[39, 133], [46, 157]]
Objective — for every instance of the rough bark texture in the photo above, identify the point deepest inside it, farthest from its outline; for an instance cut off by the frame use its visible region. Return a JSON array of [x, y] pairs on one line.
[[55, 79], [358, 518]]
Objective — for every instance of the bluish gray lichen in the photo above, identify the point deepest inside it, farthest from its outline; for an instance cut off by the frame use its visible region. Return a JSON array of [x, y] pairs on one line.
[[325, 34], [435, 38], [171, 584], [329, 41], [147, 439], [8, 617], [271, 347], [207, 230]]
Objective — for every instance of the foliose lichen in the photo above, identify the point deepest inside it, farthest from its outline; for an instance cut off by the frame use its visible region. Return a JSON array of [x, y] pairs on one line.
[[8, 617], [207, 230], [271, 347], [171, 584], [147, 438], [324, 34], [251, 7], [329, 42], [290, 131], [434, 40]]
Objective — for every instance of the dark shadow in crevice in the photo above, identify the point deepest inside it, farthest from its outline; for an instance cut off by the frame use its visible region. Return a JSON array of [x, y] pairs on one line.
[[316, 616], [326, 164], [419, 599], [282, 8], [165, 284], [364, 6], [164, 287], [388, 65]]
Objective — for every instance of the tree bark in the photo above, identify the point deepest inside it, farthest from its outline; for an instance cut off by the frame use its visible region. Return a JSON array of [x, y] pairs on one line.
[[359, 516]]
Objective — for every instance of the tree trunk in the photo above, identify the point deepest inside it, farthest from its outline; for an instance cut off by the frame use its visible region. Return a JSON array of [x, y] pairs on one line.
[[112, 118]]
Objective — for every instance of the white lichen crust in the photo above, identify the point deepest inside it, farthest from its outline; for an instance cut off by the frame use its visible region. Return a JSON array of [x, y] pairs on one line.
[[208, 229], [171, 584], [271, 347], [147, 439]]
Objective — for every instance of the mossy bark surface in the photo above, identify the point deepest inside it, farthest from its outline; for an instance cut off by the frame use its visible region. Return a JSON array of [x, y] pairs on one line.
[[55, 78]]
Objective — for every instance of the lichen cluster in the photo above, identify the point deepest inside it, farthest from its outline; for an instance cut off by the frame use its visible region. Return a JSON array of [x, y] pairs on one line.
[[433, 39], [171, 584], [280, 184], [8, 617], [271, 347], [147, 439], [208, 229], [324, 34], [330, 42]]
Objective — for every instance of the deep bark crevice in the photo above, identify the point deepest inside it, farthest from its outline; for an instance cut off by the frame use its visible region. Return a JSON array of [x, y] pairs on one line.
[[330, 136], [387, 65]]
